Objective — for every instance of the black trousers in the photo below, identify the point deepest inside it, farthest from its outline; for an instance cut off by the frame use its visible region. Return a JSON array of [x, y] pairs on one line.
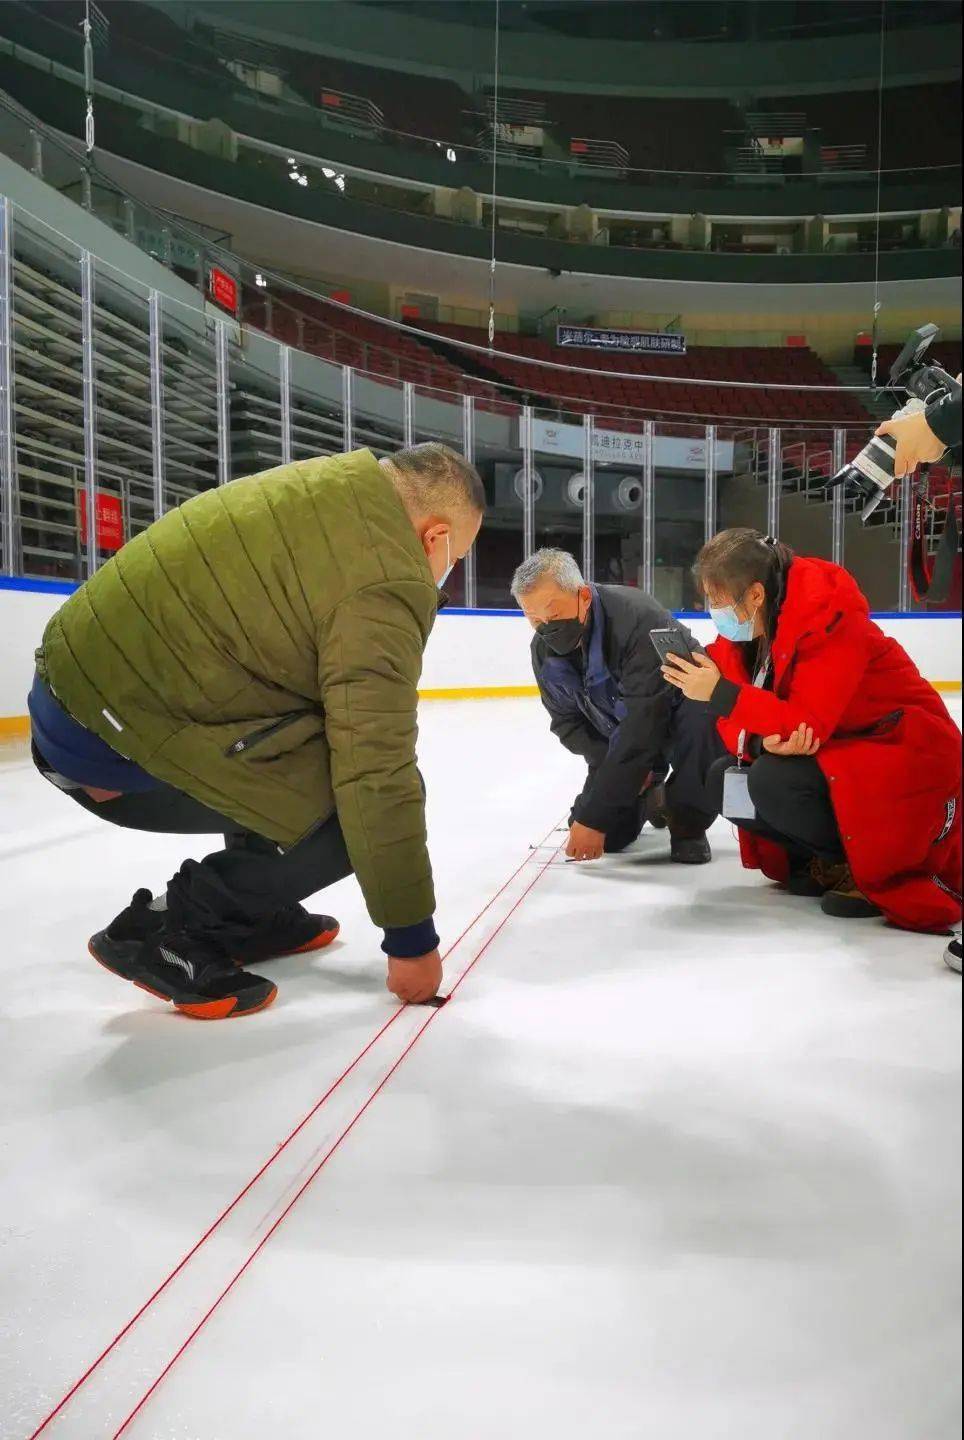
[[231, 891], [789, 792], [792, 802], [692, 745]]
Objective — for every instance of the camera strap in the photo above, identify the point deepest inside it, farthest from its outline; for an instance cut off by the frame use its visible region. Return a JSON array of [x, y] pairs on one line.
[[931, 580]]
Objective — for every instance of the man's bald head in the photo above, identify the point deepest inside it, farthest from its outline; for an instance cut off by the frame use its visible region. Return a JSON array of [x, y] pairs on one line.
[[444, 498], [433, 479]]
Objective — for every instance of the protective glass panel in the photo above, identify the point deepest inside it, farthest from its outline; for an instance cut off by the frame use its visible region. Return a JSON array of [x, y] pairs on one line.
[[743, 468], [679, 491], [47, 412], [317, 421], [257, 441], [188, 402], [619, 475], [437, 415], [498, 459], [945, 492], [124, 451], [873, 552], [807, 518], [558, 480]]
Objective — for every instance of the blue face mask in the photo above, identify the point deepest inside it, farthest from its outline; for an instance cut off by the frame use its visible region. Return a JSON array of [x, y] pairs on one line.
[[729, 624], [449, 567]]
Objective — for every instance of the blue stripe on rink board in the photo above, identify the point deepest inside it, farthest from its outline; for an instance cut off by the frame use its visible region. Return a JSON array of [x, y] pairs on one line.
[[67, 587], [915, 615], [704, 614], [38, 587]]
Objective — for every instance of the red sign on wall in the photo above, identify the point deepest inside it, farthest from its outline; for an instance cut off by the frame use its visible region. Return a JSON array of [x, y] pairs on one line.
[[110, 520], [223, 289]]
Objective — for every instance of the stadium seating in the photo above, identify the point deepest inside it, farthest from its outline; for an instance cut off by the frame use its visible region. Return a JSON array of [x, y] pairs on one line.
[[761, 366], [525, 369]]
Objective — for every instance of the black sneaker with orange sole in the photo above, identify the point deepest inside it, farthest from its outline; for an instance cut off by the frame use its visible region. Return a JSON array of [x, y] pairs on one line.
[[197, 978], [291, 931]]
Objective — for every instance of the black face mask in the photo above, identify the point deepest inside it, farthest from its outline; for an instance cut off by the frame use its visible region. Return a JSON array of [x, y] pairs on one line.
[[562, 636]]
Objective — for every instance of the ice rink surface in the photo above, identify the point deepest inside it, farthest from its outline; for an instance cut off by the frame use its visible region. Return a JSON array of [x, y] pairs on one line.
[[680, 1160]]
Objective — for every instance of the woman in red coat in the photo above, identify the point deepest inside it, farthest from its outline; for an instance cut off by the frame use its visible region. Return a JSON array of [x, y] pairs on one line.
[[854, 764]]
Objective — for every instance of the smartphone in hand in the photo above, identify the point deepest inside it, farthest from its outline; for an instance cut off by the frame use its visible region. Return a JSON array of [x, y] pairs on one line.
[[671, 641]]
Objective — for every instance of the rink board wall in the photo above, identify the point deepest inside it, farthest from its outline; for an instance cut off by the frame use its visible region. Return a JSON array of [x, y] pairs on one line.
[[471, 655]]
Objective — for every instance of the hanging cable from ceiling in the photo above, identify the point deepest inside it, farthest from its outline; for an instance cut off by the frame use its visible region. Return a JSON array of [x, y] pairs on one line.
[[495, 169]]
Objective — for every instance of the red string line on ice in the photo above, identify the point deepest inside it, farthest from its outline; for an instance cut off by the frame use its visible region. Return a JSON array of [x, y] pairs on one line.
[[327, 1156], [232, 1205]]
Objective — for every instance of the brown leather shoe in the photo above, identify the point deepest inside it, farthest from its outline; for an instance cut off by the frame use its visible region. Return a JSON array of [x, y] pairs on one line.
[[816, 877], [846, 902]]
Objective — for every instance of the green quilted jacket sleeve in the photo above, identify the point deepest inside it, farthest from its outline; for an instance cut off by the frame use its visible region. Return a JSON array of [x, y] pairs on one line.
[[370, 660]]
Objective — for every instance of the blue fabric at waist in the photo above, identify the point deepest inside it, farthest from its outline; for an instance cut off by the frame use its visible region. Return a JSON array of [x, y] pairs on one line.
[[77, 753]]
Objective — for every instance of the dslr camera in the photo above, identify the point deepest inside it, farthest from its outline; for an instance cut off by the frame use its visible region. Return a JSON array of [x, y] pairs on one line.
[[871, 473]]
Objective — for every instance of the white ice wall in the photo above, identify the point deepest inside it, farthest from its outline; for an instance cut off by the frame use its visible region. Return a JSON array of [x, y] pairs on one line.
[[466, 652], [23, 616]]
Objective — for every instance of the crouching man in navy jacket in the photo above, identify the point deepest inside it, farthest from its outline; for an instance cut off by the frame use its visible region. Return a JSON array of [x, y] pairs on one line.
[[599, 678]]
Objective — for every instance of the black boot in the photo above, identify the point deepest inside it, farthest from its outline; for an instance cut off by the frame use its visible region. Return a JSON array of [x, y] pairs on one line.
[[688, 844], [194, 974], [690, 849]]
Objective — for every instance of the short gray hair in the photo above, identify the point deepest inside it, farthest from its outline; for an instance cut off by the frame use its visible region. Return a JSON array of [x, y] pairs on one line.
[[557, 565], [432, 476]]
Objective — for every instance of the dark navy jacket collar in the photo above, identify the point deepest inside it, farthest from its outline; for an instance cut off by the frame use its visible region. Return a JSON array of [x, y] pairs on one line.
[[597, 672]]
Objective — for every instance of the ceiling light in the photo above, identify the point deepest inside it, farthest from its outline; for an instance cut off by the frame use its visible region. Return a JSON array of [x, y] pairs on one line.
[[302, 179], [450, 154], [260, 281]]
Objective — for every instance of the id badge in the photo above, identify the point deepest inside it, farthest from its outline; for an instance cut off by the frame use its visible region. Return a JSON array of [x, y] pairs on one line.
[[737, 804]]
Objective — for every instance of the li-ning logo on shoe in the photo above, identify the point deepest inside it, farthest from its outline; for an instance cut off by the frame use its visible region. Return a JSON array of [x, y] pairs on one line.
[[950, 810], [179, 961]]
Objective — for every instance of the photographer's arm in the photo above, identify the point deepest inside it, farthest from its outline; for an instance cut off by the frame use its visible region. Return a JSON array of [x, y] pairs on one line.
[[944, 419]]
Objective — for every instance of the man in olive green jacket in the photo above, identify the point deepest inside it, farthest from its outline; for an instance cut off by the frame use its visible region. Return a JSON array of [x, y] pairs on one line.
[[249, 665]]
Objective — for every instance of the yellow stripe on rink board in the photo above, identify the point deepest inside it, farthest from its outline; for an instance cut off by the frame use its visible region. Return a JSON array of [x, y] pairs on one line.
[[16, 726], [481, 692], [512, 692]]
